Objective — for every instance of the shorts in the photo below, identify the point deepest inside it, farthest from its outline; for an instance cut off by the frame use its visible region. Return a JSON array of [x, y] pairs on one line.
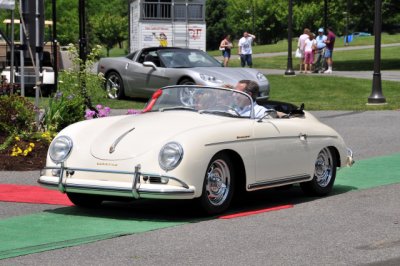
[[328, 53], [309, 57], [226, 53]]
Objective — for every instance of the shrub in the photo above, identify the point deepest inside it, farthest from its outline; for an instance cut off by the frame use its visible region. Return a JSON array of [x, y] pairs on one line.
[[17, 115], [77, 88], [62, 111]]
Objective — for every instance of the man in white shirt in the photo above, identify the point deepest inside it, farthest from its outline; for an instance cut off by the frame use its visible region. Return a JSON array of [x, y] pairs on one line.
[[251, 88], [319, 53], [245, 50]]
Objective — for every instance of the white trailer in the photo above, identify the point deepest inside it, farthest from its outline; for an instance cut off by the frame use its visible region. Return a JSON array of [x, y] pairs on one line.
[[177, 23]]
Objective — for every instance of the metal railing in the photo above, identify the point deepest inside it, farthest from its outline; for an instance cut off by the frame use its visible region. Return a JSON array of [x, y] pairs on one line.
[[169, 11]]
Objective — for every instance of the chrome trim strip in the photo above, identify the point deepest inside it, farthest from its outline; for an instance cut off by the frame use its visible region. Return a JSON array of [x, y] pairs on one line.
[[115, 143], [286, 180], [269, 138]]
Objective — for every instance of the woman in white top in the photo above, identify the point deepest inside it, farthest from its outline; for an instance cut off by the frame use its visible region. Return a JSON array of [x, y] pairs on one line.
[[309, 47]]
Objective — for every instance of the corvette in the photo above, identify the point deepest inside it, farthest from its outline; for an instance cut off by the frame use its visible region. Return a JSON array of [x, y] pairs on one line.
[[191, 142], [141, 73]]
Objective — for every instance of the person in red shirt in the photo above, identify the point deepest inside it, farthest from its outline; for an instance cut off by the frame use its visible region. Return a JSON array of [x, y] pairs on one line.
[[330, 43]]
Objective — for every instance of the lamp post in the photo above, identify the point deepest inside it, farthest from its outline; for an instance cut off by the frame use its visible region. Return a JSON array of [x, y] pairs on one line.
[[55, 46], [325, 14], [376, 96], [289, 69]]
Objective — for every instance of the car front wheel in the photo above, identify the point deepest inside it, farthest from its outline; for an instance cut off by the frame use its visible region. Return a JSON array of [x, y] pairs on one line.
[[114, 86], [218, 185], [324, 174]]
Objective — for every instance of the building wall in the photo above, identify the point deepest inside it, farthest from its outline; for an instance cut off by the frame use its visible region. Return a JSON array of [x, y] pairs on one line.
[[165, 32]]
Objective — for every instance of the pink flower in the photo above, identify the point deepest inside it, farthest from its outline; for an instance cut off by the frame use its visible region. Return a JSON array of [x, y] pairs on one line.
[[133, 112], [89, 114]]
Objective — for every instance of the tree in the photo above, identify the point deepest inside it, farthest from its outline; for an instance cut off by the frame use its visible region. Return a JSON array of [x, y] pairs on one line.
[[217, 22], [110, 30]]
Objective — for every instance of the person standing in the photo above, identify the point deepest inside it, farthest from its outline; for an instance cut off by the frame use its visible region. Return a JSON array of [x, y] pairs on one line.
[[330, 43], [226, 46], [309, 46], [319, 62], [245, 51], [300, 46]]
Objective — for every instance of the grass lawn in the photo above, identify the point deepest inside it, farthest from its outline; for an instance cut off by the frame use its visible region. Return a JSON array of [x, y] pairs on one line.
[[316, 92], [351, 60], [282, 45], [332, 93]]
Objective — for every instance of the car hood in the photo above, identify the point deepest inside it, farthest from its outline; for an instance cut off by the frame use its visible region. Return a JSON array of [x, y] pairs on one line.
[[228, 74], [132, 136]]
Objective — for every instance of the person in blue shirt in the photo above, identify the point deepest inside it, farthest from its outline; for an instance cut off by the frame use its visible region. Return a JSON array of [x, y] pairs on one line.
[[319, 62]]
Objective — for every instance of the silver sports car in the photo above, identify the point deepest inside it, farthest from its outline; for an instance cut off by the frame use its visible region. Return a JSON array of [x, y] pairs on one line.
[[142, 72]]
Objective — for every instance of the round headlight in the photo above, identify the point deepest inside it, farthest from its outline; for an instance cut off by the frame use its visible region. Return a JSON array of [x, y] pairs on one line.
[[60, 149], [261, 76], [170, 156]]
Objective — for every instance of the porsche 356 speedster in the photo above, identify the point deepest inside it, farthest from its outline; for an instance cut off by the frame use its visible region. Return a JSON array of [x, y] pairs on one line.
[[191, 142]]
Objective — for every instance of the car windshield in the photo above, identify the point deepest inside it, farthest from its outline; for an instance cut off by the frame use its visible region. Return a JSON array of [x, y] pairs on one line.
[[204, 100], [187, 58]]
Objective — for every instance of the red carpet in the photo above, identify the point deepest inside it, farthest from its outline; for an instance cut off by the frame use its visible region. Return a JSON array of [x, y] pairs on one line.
[[32, 194], [248, 213]]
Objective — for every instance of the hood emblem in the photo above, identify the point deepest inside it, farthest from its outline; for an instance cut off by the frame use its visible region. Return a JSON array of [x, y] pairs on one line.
[[115, 143]]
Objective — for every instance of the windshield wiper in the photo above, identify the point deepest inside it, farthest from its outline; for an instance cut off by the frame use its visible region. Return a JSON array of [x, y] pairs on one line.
[[177, 108]]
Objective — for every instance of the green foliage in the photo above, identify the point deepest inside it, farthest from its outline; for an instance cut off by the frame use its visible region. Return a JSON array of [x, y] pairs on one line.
[[217, 23], [17, 115], [62, 111], [78, 88], [110, 30]]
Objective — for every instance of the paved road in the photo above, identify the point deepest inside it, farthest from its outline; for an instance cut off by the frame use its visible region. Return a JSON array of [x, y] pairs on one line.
[[354, 228]]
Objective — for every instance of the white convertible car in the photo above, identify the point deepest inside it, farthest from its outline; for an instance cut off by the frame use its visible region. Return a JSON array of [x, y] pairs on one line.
[[191, 142]]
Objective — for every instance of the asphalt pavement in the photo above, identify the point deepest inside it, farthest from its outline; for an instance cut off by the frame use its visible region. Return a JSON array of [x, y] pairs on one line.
[[353, 228]]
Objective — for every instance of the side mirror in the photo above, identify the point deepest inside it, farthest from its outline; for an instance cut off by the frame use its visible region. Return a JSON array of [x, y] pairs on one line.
[[149, 64]]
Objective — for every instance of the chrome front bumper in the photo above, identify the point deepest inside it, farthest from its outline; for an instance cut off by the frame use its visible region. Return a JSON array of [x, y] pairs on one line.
[[135, 189], [349, 160]]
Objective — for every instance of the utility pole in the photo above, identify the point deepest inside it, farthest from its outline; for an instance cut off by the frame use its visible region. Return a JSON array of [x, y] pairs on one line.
[[376, 96], [289, 70]]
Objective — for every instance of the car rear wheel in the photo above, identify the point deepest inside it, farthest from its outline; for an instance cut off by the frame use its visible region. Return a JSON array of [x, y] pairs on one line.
[[84, 200], [218, 186], [324, 174], [114, 86]]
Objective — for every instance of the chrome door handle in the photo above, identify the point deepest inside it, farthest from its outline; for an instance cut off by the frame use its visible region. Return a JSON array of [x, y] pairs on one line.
[[303, 137]]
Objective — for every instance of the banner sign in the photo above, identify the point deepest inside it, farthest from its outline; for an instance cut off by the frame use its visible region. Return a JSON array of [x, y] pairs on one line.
[[7, 4]]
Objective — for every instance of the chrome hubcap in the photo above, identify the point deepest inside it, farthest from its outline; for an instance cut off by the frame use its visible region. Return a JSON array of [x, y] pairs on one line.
[[324, 167], [113, 86], [187, 96], [218, 182]]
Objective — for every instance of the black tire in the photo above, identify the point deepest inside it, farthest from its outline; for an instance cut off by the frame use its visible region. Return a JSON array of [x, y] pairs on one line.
[[114, 86], [218, 186], [85, 200], [186, 81], [324, 174]]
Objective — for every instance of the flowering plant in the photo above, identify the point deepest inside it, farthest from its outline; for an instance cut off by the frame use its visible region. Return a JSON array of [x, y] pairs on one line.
[[133, 112], [17, 150], [102, 112]]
